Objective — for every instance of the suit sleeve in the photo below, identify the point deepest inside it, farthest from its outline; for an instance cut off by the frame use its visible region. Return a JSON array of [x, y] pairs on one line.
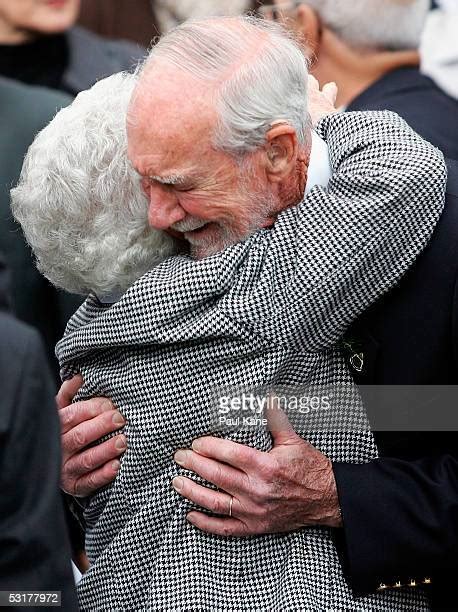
[[400, 519], [327, 259], [35, 552]]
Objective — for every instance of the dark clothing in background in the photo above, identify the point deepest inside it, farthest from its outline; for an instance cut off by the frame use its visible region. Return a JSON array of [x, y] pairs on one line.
[[71, 62], [418, 100], [41, 62], [401, 511], [34, 548], [93, 58], [131, 19], [5, 297], [26, 110]]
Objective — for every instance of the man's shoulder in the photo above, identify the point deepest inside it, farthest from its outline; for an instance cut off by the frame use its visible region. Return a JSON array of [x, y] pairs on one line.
[[418, 100], [400, 83], [452, 180], [443, 246]]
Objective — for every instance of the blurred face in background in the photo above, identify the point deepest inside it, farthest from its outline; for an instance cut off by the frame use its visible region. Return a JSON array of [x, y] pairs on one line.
[[24, 20]]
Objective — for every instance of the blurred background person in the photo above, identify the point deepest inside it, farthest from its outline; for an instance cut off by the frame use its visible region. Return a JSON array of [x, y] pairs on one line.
[[35, 551], [439, 46], [25, 110], [40, 45], [142, 20], [171, 13], [132, 19], [370, 49]]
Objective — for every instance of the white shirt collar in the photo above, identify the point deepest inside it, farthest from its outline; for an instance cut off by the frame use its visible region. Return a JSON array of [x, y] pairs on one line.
[[319, 170]]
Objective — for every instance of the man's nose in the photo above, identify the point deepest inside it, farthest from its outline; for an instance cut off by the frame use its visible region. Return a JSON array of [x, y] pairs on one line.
[[164, 208]]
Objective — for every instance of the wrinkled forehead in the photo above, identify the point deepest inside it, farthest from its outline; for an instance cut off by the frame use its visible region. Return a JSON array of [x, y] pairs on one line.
[[164, 88], [169, 113]]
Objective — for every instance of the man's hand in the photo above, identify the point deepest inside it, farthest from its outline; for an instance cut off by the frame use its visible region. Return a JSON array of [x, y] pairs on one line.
[[320, 103], [291, 486], [84, 470]]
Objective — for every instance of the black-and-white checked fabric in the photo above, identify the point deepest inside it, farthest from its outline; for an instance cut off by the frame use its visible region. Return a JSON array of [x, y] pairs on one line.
[[265, 312]]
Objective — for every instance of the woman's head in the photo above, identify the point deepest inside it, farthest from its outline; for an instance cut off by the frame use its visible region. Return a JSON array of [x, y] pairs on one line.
[[79, 201], [23, 20]]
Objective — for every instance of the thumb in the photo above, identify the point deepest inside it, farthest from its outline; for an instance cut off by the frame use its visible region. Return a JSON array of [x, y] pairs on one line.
[[301, 16], [312, 83], [330, 91], [281, 429], [68, 391]]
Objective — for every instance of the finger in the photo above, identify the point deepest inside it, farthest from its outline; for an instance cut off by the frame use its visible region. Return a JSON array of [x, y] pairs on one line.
[[218, 526], [330, 91], [267, 13], [87, 432], [278, 423], [68, 390], [301, 14], [93, 458], [237, 455], [216, 501], [88, 485], [313, 83], [219, 474], [77, 413]]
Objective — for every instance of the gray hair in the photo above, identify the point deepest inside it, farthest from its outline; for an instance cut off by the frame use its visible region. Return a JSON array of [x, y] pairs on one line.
[[258, 72], [80, 202], [379, 24]]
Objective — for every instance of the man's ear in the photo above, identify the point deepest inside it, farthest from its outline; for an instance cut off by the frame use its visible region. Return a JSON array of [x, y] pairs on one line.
[[310, 28], [281, 152]]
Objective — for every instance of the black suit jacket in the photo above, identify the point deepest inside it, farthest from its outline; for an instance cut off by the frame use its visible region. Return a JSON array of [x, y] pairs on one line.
[[34, 548], [400, 512], [26, 110], [418, 100], [5, 298]]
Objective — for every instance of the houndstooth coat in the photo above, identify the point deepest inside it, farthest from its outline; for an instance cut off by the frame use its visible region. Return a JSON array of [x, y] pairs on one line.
[[268, 311]]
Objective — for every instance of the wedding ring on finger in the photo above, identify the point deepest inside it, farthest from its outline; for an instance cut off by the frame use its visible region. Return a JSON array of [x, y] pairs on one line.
[[231, 501]]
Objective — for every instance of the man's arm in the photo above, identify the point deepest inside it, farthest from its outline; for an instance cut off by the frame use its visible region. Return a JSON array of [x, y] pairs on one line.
[[327, 259], [400, 519], [294, 485]]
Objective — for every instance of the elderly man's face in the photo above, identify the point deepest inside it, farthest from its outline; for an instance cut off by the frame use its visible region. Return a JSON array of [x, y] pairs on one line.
[[192, 187]]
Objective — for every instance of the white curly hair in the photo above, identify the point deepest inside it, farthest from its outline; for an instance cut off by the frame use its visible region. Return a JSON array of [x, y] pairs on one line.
[[80, 202]]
